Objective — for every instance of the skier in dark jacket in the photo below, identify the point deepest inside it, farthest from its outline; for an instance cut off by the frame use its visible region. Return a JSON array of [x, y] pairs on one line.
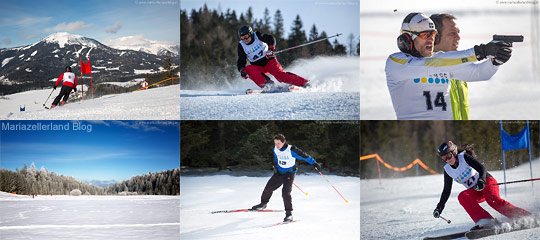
[[259, 49], [284, 172], [69, 82], [462, 167]]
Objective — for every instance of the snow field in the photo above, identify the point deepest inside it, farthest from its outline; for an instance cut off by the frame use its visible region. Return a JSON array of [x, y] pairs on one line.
[[152, 104], [322, 214], [334, 95], [89, 217], [402, 208]]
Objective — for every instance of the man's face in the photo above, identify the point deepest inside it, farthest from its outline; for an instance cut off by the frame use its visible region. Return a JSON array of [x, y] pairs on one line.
[[424, 44], [278, 143], [449, 36]]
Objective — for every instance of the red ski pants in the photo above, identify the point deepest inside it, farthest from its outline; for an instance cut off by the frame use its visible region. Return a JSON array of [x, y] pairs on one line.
[[470, 199], [257, 74]]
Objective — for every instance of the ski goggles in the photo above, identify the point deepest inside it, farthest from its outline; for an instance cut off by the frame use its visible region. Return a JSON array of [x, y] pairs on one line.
[[244, 37], [446, 157], [426, 34]]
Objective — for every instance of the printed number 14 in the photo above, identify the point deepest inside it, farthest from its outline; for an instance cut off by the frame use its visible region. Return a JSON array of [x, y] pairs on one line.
[[439, 100]]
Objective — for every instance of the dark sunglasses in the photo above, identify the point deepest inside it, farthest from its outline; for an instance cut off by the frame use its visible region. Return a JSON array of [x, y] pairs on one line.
[[446, 157]]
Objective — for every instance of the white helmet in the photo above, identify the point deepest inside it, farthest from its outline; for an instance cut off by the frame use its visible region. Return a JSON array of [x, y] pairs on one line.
[[417, 23]]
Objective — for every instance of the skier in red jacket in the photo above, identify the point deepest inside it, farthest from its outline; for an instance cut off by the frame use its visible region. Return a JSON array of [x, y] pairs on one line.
[[69, 83], [462, 167], [259, 49]]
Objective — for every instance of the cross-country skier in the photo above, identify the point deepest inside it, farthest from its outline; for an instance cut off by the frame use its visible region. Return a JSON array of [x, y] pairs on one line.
[[462, 167], [446, 40], [259, 49], [284, 172], [69, 82], [419, 81]]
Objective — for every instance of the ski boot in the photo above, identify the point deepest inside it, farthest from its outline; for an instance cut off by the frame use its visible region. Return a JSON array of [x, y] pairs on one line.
[[258, 207], [486, 223], [269, 86], [288, 216]]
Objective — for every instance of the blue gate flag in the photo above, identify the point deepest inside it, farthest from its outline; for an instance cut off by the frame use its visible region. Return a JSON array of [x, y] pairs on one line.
[[516, 141]]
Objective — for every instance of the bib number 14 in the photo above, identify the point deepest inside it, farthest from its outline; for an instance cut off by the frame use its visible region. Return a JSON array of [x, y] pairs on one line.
[[439, 100]]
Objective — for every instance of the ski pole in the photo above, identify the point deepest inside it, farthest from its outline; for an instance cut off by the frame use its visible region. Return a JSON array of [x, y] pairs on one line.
[[299, 188], [518, 181], [448, 221], [305, 44], [346, 201], [48, 97]]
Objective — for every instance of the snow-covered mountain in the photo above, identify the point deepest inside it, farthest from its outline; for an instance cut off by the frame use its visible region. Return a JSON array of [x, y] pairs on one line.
[[34, 66], [139, 43], [101, 183]]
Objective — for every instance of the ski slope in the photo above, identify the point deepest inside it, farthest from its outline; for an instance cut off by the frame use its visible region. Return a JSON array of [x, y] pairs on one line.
[[322, 214], [334, 95], [89, 217], [402, 208], [512, 93], [153, 104]]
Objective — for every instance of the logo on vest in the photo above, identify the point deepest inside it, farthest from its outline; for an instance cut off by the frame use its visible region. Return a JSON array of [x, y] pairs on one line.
[[464, 175]]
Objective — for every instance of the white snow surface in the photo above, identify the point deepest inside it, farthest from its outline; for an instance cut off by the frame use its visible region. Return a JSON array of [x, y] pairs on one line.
[[402, 208], [322, 214], [6, 60], [89, 217], [334, 95], [139, 43], [152, 104], [512, 93]]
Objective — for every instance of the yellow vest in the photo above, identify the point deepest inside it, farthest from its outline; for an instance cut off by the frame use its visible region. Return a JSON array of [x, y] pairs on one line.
[[460, 100]]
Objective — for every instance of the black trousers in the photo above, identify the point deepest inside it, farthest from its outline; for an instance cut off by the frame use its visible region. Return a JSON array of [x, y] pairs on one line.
[[274, 183], [64, 92]]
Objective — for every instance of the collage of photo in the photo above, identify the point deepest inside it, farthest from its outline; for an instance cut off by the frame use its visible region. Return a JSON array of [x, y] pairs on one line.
[[250, 119]]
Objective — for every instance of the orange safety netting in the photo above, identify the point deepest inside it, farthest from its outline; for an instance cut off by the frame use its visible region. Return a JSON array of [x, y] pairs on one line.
[[417, 161]]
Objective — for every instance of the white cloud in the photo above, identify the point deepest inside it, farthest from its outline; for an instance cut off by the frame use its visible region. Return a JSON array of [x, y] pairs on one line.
[[72, 26], [114, 29]]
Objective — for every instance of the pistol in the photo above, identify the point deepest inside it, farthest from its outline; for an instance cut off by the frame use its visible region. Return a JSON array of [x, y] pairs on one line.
[[508, 38]]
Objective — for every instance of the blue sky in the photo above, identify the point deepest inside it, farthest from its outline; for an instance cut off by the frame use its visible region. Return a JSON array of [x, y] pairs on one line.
[[26, 22], [112, 150], [331, 16]]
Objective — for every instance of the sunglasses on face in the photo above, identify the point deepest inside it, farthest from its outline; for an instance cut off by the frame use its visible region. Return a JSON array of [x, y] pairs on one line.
[[426, 35], [244, 37]]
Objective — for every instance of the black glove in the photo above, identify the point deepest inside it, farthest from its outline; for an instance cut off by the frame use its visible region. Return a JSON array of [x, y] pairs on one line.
[[75, 88], [500, 52], [317, 166], [437, 212], [480, 185], [243, 74], [54, 87]]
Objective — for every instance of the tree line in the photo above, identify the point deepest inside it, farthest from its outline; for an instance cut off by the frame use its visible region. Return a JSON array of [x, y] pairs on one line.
[[29, 180], [401, 142], [159, 183], [247, 145], [209, 43]]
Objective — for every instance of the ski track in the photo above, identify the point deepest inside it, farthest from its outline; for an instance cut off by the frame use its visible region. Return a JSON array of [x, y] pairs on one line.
[[322, 214], [402, 208], [219, 105], [89, 217], [153, 104]]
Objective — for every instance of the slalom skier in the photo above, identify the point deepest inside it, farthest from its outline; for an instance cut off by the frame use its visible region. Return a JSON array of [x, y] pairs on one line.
[[462, 167], [69, 82], [419, 80], [259, 49], [446, 40], [285, 156]]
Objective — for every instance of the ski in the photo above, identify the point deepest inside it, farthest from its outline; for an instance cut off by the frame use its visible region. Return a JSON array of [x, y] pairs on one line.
[[448, 236], [280, 223], [480, 233], [245, 210], [290, 88]]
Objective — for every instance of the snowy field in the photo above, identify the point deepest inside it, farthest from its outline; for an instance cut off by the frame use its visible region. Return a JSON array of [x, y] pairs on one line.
[[334, 96], [153, 104], [512, 93], [89, 217], [402, 208], [322, 214]]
